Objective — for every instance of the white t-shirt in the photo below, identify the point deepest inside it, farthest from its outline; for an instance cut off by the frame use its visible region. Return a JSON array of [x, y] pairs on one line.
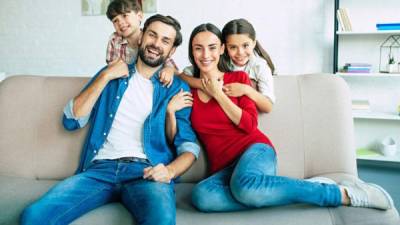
[[126, 135], [258, 71]]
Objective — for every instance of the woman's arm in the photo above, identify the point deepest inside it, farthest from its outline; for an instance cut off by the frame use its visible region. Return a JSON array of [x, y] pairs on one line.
[[213, 87], [178, 102]]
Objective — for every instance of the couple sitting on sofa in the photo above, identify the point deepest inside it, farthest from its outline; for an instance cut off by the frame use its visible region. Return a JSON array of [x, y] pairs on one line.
[[126, 156]]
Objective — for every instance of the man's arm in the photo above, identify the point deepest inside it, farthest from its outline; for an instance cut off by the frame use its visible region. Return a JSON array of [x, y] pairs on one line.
[[165, 174], [186, 147], [78, 109], [84, 102]]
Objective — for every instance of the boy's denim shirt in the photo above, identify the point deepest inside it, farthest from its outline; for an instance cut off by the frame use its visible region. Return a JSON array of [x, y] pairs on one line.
[[154, 139]]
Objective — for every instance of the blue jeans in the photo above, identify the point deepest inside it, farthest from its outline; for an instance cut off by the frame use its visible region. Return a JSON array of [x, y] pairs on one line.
[[149, 202], [252, 183]]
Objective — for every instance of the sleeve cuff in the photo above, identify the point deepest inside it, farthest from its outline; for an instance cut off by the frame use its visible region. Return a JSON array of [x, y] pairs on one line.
[[68, 111], [189, 147]]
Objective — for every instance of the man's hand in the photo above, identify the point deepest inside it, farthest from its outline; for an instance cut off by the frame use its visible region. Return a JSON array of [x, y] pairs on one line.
[[159, 173], [167, 76], [116, 69]]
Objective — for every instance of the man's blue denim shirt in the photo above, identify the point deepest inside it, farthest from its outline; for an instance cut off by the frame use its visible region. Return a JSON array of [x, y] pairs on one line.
[[154, 139]]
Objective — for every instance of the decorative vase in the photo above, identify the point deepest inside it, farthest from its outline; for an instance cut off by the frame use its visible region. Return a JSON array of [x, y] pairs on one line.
[[391, 68]]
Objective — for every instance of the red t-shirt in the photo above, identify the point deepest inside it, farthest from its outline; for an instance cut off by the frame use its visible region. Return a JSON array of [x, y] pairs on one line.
[[224, 141]]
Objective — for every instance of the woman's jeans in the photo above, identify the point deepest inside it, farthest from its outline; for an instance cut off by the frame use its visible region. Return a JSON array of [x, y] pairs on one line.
[[252, 182], [106, 181]]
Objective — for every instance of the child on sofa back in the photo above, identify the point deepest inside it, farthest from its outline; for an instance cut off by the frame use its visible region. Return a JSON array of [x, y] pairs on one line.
[[126, 17]]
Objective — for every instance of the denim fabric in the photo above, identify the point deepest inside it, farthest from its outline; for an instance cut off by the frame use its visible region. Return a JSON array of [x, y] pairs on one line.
[[105, 181], [252, 183], [154, 140]]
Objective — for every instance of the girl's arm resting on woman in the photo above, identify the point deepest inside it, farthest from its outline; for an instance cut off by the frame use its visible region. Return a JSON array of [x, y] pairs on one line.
[[263, 103], [192, 81]]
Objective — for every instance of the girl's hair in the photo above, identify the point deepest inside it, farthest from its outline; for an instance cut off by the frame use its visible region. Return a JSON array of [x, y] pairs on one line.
[[222, 64], [242, 26], [117, 7]]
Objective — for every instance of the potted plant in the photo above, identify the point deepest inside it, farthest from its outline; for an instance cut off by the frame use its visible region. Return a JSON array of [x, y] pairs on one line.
[[391, 67]]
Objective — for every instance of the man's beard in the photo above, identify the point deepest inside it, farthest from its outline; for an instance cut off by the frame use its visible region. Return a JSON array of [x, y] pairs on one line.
[[148, 60]]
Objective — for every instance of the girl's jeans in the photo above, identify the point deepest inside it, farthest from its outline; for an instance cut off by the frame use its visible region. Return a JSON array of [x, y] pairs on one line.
[[252, 182], [106, 181]]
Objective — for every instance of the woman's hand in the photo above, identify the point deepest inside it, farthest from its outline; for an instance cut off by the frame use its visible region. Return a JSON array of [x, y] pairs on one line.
[[181, 100], [213, 86], [236, 89]]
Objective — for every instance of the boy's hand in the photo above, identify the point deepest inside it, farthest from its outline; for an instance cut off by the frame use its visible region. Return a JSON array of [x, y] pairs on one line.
[[181, 100], [167, 76], [159, 173], [116, 69], [235, 89]]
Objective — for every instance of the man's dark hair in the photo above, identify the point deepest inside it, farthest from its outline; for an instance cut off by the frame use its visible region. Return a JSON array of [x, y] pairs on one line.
[[117, 7], [169, 20]]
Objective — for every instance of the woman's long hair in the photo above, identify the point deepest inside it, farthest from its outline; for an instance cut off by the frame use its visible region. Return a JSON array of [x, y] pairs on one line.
[[222, 64]]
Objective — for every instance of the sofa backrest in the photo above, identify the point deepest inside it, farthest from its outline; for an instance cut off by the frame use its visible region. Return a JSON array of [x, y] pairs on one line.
[[311, 127]]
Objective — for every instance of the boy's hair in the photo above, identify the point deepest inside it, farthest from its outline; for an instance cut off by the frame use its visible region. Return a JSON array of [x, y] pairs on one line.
[[242, 26], [169, 20], [117, 7], [222, 64]]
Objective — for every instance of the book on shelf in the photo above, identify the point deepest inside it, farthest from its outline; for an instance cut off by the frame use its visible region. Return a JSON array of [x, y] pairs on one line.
[[388, 26], [343, 19], [366, 152], [340, 21], [360, 104], [357, 68]]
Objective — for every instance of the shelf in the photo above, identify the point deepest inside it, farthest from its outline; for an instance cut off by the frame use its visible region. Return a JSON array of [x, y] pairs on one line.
[[370, 75], [359, 114], [368, 32], [395, 158]]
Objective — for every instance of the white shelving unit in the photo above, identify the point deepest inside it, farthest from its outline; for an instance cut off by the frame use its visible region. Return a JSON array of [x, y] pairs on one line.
[[382, 90]]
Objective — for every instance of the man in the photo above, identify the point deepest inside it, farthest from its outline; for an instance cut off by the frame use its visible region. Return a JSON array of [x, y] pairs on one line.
[[125, 155]]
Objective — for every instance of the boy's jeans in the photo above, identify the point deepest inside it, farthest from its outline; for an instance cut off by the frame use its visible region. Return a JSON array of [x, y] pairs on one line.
[[107, 180], [252, 183]]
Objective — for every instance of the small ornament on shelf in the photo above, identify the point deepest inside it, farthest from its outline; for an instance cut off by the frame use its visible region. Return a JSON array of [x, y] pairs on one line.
[[389, 54]]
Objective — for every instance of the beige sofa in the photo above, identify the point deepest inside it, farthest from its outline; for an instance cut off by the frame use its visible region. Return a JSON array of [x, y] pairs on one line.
[[311, 126]]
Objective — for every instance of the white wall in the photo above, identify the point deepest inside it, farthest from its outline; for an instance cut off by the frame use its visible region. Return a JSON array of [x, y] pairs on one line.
[[50, 37]]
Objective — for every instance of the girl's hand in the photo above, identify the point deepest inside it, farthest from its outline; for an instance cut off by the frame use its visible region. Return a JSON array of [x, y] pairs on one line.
[[213, 86], [181, 100], [235, 89], [167, 76]]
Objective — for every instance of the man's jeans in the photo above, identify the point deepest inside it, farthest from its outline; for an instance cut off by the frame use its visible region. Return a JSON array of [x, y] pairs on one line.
[[252, 182], [149, 202]]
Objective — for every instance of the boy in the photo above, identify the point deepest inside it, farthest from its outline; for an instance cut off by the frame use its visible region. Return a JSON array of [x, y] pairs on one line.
[[126, 17]]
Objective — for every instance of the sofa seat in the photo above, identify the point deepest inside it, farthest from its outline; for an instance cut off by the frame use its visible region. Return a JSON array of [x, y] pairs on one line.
[[19, 192]]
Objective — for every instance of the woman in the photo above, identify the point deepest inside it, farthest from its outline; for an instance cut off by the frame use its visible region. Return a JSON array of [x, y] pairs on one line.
[[242, 159]]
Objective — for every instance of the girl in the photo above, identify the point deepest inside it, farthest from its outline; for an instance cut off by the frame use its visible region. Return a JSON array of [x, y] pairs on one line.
[[244, 52], [242, 160]]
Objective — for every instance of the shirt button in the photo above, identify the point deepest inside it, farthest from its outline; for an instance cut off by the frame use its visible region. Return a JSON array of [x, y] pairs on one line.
[[126, 83], [94, 151], [104, 133], [117, 97], [111, 115]]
